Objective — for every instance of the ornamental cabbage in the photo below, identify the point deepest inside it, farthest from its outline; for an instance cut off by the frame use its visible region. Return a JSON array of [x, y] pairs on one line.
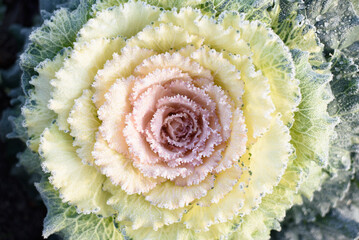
[[177, 119]]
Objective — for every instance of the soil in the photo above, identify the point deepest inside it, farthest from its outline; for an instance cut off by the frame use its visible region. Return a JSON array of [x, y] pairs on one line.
[[21, 210]]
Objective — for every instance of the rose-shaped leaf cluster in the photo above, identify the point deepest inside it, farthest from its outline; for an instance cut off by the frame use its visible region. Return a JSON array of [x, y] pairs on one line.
[[175, 120]]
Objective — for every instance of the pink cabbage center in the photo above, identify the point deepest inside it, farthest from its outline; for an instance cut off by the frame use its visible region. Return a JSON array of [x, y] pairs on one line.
[[174, 130]]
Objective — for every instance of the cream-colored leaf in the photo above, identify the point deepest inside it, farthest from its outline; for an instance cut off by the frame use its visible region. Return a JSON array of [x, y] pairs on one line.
[[78, 74], [164, 38], [133, 210], [121, 66], [36, 112], [170, 196], [257, 103], [119, 169], [84, 125], [125, 20], [78, 184]]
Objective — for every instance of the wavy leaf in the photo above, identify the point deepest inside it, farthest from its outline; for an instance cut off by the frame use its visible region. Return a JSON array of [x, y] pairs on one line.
[[55, 34], [66, 222]]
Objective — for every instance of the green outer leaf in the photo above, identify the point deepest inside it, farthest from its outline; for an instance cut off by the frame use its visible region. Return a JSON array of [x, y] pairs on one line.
[[324, 212], [166, 4], [254, 9], [18, 131], [346, 106], [31, 163], [326, 216], [313, 127], [65, 221], [343, 151], [55, 34], [51, 6], [336, 22], [312, 119], [294, 29], [341, 222]]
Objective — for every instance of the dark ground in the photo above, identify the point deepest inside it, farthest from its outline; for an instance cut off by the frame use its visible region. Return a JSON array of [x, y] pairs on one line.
[[21, 215]]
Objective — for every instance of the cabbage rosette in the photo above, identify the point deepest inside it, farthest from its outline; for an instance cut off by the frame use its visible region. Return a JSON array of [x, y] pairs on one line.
[[158, 120]]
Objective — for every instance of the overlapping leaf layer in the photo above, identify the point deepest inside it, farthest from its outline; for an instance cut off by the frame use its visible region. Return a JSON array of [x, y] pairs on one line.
[[176, 119]]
